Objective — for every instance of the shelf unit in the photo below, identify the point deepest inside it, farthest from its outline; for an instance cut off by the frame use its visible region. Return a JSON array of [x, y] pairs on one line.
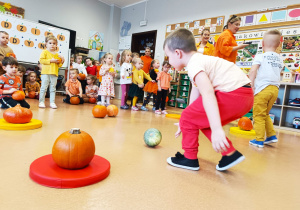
[[284, 113], [180, 89]]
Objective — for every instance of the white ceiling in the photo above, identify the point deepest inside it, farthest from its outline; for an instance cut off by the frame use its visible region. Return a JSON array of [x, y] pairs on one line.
[[122, 3]]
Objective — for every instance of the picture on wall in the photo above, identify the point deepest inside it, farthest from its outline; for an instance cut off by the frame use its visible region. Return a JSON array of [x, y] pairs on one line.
[[291, 43], [246, 56], [96, 40]]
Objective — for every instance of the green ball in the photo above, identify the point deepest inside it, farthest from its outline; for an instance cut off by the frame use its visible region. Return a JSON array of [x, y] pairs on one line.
[[152, 137]]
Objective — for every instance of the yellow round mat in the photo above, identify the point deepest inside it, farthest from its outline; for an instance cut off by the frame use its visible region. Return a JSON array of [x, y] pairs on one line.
[[237, 130], [33, 124], [175, 116]]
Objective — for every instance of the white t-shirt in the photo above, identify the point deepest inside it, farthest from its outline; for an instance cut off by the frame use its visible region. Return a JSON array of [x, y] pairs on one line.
[[225, 76], [126, 70], [201, 50], [268, 72], [80, 67]]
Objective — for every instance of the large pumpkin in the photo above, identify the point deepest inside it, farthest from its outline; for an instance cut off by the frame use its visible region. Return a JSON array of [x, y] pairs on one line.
[[31, 94], [81, 76], [18, 95], [92, 100], [99, 111], [245, 124], [17, 115], [112, 110], [73, 149], [74, 100]]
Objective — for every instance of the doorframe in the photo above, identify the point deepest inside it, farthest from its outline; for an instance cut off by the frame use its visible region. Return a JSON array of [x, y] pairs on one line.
[[146, 32]]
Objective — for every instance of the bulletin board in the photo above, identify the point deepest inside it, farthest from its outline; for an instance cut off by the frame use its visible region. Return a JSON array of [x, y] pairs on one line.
[[27, 38], [270, 17], [215, 25]]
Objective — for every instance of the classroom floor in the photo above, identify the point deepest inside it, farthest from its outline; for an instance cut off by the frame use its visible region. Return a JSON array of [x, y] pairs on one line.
[[140, 178]]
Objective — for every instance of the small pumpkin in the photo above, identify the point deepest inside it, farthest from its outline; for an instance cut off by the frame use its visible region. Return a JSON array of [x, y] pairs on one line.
[[99, 111], [74, 100], [35, 31], [112, 110], [28, 43], [18, 95], [14, 40], [81, 76], [245, 124], [17, 115], [31, 94], [6, 24], [21, 28], [73, 149], [92, 100]]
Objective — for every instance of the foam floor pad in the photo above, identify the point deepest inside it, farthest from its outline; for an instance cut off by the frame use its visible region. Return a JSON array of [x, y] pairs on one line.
[[33, 124], [237, 130], [46, 172], [175, 116]]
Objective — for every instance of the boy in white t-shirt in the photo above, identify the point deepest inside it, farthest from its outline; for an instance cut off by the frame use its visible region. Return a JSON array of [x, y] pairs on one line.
[[221, 94], [265, 81]]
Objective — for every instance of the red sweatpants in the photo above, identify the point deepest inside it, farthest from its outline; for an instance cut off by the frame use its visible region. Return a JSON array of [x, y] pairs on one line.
[[232, 105]]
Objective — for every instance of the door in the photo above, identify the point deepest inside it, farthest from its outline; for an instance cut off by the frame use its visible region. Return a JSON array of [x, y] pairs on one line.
[[142, 40]]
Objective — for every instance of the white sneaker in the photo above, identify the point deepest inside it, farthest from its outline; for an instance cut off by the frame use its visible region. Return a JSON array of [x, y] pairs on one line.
[[42, 105], [53, 106], [99, 103]]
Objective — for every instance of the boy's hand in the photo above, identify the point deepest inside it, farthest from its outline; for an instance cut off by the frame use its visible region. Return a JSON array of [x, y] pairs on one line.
[[178, 132], [153, 81], [123, 77], [141, 85], [159, 88], [71, 95], [80, 95], [62, 58], [169, 90], [13, 90], [219, 141], [26, 94], [53, 60]]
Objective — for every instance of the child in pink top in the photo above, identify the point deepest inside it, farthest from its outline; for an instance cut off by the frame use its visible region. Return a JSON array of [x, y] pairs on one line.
[[163, 83], [221, 93]]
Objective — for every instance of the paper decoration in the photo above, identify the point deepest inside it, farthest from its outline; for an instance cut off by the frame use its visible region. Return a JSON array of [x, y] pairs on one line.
[[14, 11], [191, 29], [213, 28], [187, 25], [96, 40], [263, 18], [207, 23], [200, 29], [11, 10], [177, 26], [279, 16], [168, 29], [293, 14], [196, 24], [2, 9], [220, 21], [249, 20], [7, 5]]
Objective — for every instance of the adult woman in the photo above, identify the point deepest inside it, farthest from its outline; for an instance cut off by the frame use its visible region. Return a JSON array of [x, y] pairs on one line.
[[204, 46], [226, 46]]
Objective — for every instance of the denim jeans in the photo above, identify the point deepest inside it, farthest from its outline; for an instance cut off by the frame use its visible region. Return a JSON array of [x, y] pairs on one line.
[[46, 80]]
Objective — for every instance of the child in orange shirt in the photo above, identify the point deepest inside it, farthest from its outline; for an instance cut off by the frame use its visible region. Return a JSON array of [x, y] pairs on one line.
[[73, 87], [163, 83]]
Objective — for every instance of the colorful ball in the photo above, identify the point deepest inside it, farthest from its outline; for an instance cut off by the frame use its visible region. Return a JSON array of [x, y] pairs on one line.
[[152, 137]]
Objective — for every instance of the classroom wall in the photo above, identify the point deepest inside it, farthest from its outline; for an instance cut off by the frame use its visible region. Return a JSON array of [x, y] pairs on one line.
[[162, 13], [79, 15]]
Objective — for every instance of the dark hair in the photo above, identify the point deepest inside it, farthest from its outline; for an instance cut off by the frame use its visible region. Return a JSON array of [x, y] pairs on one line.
[[182, 39], [206, 29], [28, 76], [152, 62], [9, 61], [76, 70], [166, 62], [93, 78], [87, 58], [22, 69], [232, 19]]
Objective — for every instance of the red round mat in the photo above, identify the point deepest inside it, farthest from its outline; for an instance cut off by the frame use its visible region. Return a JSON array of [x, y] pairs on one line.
[[46, 172]]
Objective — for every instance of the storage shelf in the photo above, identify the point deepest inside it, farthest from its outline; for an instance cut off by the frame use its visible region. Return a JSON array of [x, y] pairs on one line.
[[294, 107], [277, 105]]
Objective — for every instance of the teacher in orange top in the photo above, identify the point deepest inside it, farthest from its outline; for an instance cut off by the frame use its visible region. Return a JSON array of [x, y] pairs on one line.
[[204, 47], [226, 46], [147, 60]]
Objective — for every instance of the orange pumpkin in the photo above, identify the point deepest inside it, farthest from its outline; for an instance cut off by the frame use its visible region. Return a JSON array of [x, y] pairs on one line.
[[92, 100], [42, 46], [18, 95], [81, 76], [28, 43], [112, 110], [73, 149], [74, 100], [99, 111], [6, 24], [31, 94], [17, 115], [245, 124], [14, 40], [61, 37], [35, 31], [21, 28]]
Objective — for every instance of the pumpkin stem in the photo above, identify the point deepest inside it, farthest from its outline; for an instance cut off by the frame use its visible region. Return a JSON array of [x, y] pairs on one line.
[[75, 131]]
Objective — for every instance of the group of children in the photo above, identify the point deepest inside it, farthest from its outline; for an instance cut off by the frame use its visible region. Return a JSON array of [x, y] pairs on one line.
[[221, 92]]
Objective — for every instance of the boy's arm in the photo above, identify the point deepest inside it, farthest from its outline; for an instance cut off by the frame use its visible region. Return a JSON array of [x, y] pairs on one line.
[[253, 73], [194, 94], [210, 104]]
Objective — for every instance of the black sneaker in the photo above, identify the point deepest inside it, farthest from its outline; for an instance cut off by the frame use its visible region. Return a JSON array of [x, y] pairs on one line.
[[228, 161], [182, 162]]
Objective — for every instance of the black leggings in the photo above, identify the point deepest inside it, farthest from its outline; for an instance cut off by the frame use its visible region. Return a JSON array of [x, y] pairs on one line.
[[146, 101], [67, 99], [161, 99], [8, 102]]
